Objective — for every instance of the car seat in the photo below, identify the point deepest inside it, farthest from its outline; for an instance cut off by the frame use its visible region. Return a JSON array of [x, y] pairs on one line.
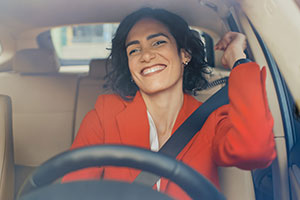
[[6, 150]]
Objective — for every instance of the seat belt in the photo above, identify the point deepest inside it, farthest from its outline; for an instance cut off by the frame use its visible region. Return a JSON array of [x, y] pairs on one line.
[[181, 137]]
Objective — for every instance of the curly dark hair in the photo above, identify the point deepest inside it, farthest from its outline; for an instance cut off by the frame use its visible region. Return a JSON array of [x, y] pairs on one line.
[[118, 77]]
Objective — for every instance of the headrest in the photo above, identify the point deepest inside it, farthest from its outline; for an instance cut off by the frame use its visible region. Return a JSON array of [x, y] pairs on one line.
[[35, 61], [97, 68]]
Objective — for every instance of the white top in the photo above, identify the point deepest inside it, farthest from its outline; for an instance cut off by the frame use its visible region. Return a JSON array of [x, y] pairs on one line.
[[154, 145]]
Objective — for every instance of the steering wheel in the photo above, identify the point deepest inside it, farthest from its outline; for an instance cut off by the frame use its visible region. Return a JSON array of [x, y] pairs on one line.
[[37, 185]]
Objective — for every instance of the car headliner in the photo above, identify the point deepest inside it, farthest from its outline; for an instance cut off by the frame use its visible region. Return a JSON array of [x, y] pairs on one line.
[[18, 15]]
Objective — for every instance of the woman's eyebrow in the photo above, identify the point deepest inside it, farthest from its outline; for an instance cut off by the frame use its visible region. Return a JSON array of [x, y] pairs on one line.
[[157, 35], [131, 43], [148, 38]]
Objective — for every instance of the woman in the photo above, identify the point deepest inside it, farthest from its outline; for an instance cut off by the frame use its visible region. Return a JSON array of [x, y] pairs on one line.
[[156, 61]]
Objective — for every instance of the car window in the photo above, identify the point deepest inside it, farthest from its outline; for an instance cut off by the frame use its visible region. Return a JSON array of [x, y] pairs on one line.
[[77, 45]]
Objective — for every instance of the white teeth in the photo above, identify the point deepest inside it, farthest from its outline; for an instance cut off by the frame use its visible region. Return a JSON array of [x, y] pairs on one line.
[[152, 69]]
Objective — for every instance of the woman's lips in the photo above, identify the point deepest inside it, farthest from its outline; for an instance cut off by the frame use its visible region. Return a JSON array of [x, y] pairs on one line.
[[153, 69]]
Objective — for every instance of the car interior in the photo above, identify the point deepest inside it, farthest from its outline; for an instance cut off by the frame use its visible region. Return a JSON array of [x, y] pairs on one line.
[[45, 92]]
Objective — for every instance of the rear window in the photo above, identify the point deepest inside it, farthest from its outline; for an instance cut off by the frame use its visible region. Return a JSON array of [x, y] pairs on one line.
[[77, 45]]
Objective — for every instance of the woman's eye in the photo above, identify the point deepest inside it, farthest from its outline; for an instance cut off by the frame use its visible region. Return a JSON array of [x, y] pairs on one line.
[[133, 51], [159, 42]]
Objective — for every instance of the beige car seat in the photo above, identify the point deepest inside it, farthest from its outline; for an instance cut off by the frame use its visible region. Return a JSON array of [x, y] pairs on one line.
[[43, 105], [6, 150], [89, 88]]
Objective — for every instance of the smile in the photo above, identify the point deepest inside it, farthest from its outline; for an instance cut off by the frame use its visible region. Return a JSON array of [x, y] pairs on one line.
[[153, 69]]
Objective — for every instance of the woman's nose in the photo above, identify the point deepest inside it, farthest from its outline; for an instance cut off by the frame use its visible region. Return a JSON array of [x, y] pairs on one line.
[[147, 55]]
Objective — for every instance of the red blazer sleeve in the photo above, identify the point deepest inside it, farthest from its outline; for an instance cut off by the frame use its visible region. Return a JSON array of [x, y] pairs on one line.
[[89, 133], [243, 135]]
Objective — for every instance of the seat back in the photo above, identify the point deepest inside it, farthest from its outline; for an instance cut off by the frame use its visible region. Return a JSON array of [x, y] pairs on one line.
[[236, 184], [43, 106], [6, 150], [89, 88]]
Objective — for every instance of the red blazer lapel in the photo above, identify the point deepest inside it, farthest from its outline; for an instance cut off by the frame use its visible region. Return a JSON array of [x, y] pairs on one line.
[[133, 123], [133, 126]]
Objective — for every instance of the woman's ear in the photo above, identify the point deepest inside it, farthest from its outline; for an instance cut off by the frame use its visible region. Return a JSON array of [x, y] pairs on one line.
[[185, 56]]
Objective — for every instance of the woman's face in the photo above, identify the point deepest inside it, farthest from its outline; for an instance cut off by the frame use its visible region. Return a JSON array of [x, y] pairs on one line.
[[154, 62]]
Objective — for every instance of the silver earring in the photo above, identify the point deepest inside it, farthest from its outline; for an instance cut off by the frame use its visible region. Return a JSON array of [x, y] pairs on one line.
[[186, 63]]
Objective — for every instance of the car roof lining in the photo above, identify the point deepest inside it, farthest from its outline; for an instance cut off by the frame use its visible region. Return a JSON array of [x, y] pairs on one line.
[[17, 12]]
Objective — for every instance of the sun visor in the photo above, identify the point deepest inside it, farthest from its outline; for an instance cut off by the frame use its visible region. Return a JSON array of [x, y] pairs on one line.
[[35, 61]]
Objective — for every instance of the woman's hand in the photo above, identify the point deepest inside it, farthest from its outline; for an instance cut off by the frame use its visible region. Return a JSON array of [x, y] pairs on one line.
[[233, 44]]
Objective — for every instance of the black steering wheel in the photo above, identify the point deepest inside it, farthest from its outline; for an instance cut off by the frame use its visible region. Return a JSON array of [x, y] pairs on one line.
[[37, 186]]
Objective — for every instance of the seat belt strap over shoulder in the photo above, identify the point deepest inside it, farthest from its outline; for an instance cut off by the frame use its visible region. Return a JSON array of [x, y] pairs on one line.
[[181, 137]]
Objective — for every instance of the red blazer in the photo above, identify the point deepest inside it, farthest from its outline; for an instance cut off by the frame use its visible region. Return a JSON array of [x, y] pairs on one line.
[[239, 134]]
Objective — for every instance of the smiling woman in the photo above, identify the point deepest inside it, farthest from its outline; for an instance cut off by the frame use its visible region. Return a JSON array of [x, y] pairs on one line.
[[155, 59]]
